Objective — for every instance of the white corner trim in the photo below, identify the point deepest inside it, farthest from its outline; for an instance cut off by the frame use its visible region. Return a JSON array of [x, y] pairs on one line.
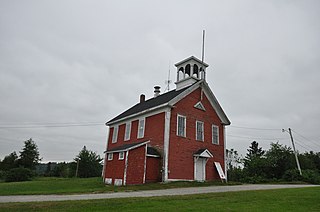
[[145, 164], [125, 168], [166, 144], [224, 153]]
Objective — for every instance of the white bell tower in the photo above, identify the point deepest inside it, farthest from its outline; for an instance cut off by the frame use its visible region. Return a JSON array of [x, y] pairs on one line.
[[189, 71]]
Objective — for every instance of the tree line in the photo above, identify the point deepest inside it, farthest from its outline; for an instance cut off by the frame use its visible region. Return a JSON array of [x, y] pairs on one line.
[[27, 165], [275, 164]]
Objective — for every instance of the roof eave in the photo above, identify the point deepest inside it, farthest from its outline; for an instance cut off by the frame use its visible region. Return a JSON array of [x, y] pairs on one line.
[[109, 123], [128, 149]]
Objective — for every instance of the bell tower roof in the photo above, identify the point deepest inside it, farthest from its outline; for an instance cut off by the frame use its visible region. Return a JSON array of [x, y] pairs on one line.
[[189, 59], [189, 71]]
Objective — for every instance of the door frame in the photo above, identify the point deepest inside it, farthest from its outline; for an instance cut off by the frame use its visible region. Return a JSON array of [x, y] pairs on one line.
[[204, 165]]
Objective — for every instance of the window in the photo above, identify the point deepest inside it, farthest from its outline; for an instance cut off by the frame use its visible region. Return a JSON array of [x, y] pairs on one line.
[[115, 134], [121, 155], [215, 134], [128, 131], [199, 130], [110, 156], [181, 125], [141, 128]]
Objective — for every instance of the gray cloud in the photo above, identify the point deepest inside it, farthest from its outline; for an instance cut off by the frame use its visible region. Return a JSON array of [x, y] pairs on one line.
[[81, 62]]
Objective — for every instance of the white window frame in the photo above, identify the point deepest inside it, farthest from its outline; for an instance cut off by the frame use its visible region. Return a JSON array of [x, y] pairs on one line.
[[110, 156], [141, 128], [184, 123], [215, 128], [198, 123], [127, 131], [121, 155], [115, 134]]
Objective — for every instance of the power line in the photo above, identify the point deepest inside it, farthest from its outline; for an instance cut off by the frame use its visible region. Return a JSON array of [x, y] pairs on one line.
[[302, 144], [49, 125], [314, 142], [253, 128], [256, 138]]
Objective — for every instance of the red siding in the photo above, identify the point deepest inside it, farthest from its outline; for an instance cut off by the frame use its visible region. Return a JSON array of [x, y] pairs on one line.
[[115, 168], [181, 149], [153, 170], [136, 165], [154, 131]]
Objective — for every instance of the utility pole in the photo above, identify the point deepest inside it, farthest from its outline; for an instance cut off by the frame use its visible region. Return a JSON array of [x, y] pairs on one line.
[[294, 149], [77, 167]]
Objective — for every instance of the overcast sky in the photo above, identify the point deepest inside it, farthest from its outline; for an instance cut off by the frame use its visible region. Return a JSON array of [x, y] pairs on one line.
[[66, 63]]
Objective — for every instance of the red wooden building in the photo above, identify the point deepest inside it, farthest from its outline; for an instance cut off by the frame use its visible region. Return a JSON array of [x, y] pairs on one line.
[[178, 135]]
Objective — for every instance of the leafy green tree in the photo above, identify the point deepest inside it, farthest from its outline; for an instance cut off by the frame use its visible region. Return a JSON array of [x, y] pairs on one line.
[[9, 162], [18, 174], [310, 160], [89, 163], [279, 159], [29, 156]]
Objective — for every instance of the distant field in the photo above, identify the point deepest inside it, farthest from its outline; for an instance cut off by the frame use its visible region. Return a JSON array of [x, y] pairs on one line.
[[297, 199], [49, 185]]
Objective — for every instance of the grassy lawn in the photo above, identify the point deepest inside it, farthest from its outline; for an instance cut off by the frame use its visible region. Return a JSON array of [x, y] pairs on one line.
[[297, 199], [49, 185]]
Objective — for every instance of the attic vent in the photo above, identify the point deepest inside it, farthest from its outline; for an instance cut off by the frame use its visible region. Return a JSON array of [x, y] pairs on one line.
[[199, 106]]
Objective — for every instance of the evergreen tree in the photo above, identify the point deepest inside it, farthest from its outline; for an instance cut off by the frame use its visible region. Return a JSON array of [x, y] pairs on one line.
[[89, 163], [254, 161], [29, 156], [9, 162]]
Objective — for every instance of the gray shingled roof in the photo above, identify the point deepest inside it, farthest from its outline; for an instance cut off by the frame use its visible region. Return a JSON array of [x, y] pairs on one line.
[[125, 147], [150, 103]]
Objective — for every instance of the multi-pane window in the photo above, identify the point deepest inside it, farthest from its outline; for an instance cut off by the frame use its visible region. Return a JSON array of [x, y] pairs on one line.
[[199, 130], [215, 134], [110, 156], [141, 128], [128, 131], [121, 155], [181, 125], [115, 134]]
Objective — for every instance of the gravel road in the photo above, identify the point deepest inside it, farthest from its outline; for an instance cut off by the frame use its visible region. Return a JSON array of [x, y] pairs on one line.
[[152, 193]]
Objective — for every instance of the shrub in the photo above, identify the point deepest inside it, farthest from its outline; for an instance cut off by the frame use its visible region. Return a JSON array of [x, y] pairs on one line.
[[235, 174], [2, 174], [292, 175], [18, 174], [311, 176], [254, 179]]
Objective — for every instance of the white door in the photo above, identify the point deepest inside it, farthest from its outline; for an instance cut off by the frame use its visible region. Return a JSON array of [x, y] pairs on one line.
[[200, 169]]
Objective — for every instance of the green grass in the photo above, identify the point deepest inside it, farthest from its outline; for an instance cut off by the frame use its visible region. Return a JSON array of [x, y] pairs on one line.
[[297, 199], [49, 185]]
